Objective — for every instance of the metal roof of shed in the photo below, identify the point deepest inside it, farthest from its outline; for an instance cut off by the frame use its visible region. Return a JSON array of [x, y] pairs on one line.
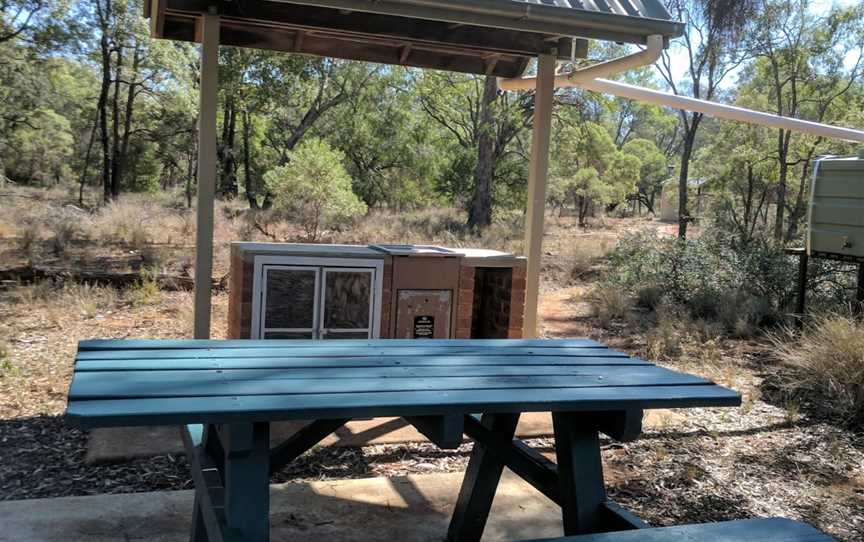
[[496, 37]]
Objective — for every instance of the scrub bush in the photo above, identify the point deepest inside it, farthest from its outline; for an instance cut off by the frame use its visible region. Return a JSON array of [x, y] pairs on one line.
[[314, 188], [710, 278]]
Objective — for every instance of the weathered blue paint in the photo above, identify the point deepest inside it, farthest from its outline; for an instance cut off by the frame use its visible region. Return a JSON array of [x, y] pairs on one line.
[[108, 385], [284, 362], [233, 381], [481, 479], [163, 344], [744, 530], [230, 391]]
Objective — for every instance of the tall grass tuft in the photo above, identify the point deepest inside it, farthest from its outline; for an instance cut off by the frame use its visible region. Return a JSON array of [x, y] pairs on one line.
[[826, 366]]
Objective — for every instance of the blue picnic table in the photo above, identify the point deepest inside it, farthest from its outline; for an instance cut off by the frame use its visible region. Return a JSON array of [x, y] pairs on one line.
[[225, 394]]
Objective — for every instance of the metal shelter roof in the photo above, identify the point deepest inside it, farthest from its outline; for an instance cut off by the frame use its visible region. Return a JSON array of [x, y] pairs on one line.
[[496, 37]]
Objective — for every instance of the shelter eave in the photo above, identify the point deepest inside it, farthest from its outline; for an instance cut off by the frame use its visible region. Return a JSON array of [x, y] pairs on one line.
[[453, 35], [368, 48]]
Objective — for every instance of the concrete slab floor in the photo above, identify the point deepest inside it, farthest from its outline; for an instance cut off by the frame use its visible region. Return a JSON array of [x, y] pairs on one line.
[[403, 509], [124, 443]]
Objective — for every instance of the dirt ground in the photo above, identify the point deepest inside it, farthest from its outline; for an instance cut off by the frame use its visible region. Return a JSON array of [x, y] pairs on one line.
[[762, 459]]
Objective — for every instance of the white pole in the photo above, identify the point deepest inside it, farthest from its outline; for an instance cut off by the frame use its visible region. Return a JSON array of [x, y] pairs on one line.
[[537, 173], [207, 104], [646, 56], [721, 111], [588, 78]]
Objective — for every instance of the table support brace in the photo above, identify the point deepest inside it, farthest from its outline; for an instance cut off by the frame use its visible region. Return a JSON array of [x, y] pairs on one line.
[[575, 483], [301, 441], [481, 480], [232, 503]]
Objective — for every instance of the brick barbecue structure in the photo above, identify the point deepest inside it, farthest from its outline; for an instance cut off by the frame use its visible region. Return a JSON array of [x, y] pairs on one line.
[[286, 290]]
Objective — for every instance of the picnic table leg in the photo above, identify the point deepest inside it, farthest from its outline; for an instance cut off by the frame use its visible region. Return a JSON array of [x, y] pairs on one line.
[[208, 437], [247, 479], [481, 481], [199, 529], [580, 472]]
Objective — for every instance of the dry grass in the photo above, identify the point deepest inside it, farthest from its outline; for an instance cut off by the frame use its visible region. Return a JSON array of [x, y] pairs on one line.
[[827, 366], [42, 323], [761, 459], [157, 231], [611, 304]]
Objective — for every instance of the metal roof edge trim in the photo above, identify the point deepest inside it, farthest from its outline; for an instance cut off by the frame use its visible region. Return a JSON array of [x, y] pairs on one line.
[[513, 15]]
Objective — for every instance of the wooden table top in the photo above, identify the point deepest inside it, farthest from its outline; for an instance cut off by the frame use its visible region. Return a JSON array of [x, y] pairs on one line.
[[162, 382]]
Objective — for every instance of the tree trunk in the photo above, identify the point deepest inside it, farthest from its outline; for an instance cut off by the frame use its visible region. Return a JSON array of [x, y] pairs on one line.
[[480, 212], [86, 165], [683, 175], [228, 179], [251, 186], [120, 160], [798, 212], [104, 88], [115, 126], [782, 154], [191, 173], [582, 205]]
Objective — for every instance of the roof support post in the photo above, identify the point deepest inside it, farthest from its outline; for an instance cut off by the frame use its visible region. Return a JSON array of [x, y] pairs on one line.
[[537, 173], [207, 105]]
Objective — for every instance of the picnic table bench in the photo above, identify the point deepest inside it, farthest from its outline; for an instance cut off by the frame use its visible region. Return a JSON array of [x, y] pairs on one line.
[[225, 394], [757, 530]]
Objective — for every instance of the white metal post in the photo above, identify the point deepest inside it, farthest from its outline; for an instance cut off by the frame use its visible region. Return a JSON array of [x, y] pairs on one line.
[[207, 102], [537, 173]]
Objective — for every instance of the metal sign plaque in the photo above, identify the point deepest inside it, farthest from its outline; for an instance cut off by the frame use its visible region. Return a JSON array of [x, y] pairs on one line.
[[424, 327]]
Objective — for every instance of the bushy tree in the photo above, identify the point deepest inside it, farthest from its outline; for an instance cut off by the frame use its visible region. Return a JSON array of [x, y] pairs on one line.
[[588, 169], [314, 188], [741, 170], [43, 147], [652, 170]]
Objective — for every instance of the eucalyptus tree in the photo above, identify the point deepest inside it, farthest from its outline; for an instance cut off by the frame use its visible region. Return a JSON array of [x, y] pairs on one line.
[[711, 44], [37, 22], [739, 165], [808, 62], [293, 93], [652, 170], [484, 126], [387, 142]]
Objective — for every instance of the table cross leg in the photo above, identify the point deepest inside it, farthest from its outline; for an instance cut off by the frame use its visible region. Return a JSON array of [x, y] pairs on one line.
[[580, 473], [199, 528], [481, 480], [247, 479]]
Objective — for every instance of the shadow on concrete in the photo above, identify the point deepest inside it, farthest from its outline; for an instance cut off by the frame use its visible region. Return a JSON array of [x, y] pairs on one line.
[[403, 509]]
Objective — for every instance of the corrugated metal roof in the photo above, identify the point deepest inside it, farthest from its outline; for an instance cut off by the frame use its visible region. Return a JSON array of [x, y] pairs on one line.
[[629, 21], [635, 8], [495, 37]]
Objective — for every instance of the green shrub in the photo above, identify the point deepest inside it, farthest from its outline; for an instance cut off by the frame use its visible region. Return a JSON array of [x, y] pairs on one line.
[[6, 367], [315, 188], [649, 297], [710, 277]]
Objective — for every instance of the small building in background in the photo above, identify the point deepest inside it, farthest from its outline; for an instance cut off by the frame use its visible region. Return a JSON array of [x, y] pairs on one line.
[[698, 199]]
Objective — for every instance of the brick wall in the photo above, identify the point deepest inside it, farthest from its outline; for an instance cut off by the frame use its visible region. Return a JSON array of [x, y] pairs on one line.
[[465, 302], [239, 298], [517, 303], [492, 303]]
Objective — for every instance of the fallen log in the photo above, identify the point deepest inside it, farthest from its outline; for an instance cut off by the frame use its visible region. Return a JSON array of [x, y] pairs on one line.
[[173, 283]]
